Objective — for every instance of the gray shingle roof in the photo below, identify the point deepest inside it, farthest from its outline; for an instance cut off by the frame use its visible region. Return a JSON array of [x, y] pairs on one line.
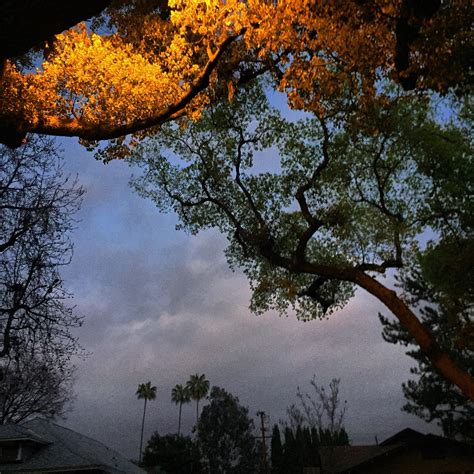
[[67, 450], [341, 458], [17, 432]]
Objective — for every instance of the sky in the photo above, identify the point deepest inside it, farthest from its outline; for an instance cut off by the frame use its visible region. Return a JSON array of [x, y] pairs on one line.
[[160, 305]]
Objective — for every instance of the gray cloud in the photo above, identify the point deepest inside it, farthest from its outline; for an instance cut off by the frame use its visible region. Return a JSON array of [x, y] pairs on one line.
[[161, 305]]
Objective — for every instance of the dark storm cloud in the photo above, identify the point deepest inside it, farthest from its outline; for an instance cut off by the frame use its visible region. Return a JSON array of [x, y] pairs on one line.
[[161, 305]]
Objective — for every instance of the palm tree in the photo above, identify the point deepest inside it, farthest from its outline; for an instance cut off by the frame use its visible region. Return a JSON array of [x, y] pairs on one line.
[[180, 395], [147, 392], [198, 387]]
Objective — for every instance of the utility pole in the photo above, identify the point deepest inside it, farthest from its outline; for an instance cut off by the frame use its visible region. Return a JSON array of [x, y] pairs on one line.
[[264, 459]]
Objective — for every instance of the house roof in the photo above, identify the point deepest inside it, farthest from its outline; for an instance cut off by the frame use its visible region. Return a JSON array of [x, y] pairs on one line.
[[17, 433], [412, 437], [336, 459], [405, 435], [66, 450], [342, 458]]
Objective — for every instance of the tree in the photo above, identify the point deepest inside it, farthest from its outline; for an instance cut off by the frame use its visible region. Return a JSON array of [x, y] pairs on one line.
[[321, 412], [225, 435], [276, 451], [25, 25], [300, 451], [180, 395], [142, 64], [292, 461], [432, 397], [440, 287], [146, 392], [341, 205], [173, 453], [37, 205], [34, 384], [198, 388]]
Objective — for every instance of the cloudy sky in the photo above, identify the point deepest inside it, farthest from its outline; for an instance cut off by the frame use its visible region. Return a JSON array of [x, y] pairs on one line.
[[160, 305]]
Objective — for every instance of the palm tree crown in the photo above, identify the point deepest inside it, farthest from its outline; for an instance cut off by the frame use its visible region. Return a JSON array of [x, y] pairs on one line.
[[198, 387], [180, 395], [147, 392]]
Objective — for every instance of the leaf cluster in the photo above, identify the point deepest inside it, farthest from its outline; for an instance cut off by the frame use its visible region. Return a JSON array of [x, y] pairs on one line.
[[225, 435], [294, 196]]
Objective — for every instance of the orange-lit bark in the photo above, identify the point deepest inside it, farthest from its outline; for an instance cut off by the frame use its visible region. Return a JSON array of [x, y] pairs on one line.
[[76, 128], [441, 360]]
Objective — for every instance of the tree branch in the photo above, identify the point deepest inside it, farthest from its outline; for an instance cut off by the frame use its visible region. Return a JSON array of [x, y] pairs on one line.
[[74, 127], [314, 223]]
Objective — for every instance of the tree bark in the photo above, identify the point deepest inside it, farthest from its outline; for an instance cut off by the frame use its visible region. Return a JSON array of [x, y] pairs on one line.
[[141, 437], [25, 24], [13, 130], [197, 413], [440, 359]]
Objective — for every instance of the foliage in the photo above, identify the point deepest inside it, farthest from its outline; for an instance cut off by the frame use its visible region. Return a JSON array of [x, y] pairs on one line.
[[440, 286], [172, 453], [37, 204], [276, 451], [340, 203], [225, 435], [449, 317], [198, 388], [180, 395], [146, 391], [141, 64], [300, 450]]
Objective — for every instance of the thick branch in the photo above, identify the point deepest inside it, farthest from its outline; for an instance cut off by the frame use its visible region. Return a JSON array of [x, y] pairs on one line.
[[237, 163], [440, 359], [25, 24], [14, 236], [314, 223], [75, 128]]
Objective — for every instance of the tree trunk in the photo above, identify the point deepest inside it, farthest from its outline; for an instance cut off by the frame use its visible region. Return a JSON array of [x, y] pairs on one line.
[[141, 437], [179, 419], [197, 413], [440, 359], [25, 24]]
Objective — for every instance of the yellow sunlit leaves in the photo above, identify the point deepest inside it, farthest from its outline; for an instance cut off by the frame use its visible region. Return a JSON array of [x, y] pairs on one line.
[[317, 50]]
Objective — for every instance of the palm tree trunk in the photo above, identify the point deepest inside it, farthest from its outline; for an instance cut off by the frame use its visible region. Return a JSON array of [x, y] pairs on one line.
[[179, 419], [141, 437], [197, 413]]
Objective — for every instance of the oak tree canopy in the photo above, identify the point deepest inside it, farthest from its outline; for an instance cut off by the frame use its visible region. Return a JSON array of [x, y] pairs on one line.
[[316, 208]]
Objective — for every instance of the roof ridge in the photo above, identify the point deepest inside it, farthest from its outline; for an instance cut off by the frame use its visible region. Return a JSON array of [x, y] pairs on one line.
[[64, 445], [114, 454]]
